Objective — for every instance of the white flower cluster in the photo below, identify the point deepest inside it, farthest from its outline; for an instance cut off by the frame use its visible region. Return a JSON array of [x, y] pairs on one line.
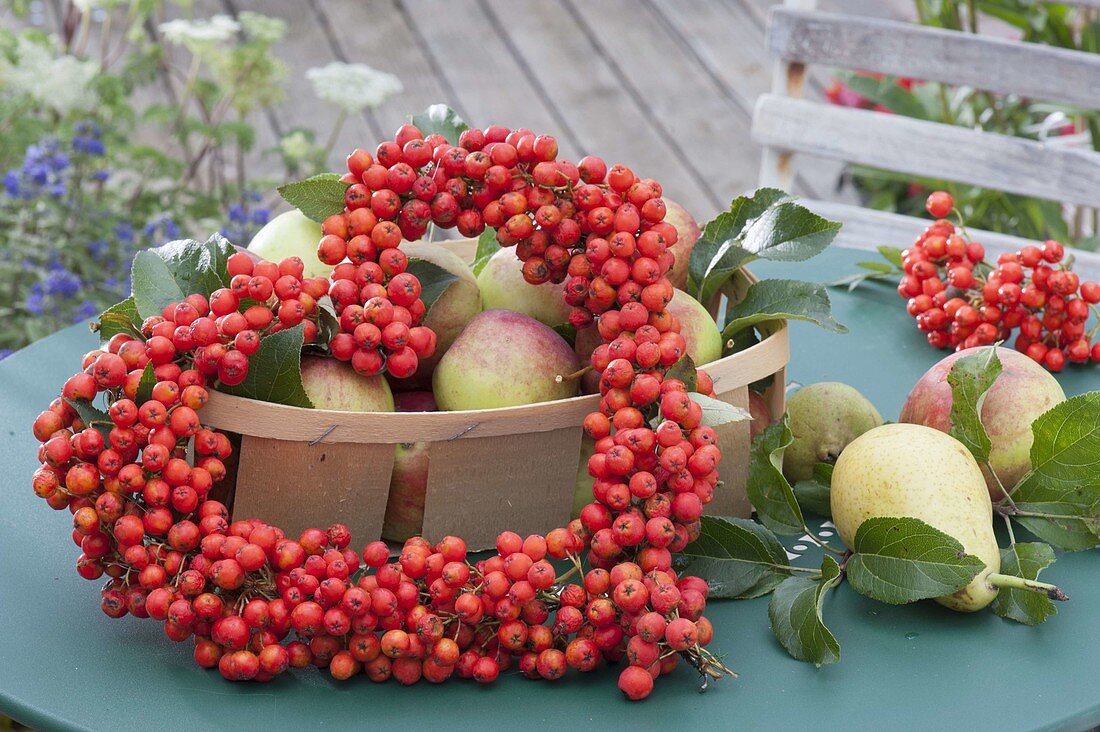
[[353, 87], [61, 83], [194, 33], [262, 27], [296, 145]]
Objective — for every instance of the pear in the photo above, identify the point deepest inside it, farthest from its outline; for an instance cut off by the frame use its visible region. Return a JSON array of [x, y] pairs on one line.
[[912, 471], [824, 418]]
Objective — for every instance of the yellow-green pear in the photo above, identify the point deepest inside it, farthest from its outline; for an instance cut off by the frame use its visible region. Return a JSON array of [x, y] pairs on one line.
[[912, 471], [824, 418]]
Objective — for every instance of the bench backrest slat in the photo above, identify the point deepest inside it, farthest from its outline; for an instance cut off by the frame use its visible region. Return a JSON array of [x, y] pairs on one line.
[[934, 54]]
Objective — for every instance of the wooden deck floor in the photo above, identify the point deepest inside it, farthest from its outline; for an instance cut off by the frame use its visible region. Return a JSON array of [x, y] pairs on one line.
[[665, 86]]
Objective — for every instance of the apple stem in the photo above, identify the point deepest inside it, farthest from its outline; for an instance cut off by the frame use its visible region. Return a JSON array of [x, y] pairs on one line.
[[1019, 583], [575, 375]]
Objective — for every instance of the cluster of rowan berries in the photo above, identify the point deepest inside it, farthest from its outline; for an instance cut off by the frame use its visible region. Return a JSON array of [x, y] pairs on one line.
[[961, 301], [428, 614], [600, 231], [257, 602]]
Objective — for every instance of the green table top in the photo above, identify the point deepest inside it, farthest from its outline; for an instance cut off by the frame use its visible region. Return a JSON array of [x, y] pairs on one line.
[[65, 665]]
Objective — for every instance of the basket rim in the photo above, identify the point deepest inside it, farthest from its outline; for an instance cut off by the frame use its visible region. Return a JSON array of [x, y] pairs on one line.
[[299, 424]]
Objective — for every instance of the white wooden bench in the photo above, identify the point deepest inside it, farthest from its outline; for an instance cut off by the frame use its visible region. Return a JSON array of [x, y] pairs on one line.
[[786, 124]]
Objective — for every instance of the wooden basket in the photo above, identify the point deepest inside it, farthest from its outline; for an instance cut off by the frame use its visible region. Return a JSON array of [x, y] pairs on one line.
[[488, 470]]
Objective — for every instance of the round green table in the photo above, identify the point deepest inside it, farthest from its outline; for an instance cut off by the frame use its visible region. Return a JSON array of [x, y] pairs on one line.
[[65, 665]]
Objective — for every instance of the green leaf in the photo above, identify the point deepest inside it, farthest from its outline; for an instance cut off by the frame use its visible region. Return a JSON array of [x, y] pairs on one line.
[[487, 246], [886, 92], [198, 267], [717, 253], [122, 317], [1064, 482], [92, 416], [1024, 606], [788, 232], [275, 371], [439, 118], [766, 225], [901, 560], [716, 412], [795, 614], [741, 340], [568, 332], [891, 255], [879, 267], [434, 280], [145, 386], [685, 371], [768, 490], [970, 379], [318, 197], [153, 284], [782, 300], [738, 558], [813, 494]]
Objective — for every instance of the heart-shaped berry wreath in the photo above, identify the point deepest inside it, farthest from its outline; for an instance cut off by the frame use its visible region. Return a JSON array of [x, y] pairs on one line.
[[258, 602]]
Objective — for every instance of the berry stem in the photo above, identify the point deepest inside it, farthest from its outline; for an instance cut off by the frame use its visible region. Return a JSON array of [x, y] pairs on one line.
[[1019, 583]]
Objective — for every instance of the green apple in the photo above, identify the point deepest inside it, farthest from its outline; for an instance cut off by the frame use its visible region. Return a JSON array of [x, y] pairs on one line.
[[291, 234], [704, 340], [687, 232], [502, 286], [504, 359], [332, 384], [1023, 391], [458, 304]]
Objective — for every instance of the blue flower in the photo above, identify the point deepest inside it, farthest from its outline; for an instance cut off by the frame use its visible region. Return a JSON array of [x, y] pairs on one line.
[[89, 146], [35, 297], [85, 310], [98, 248], [88, 127], [5, 352], [57, 190], [237, 213], [62, 283], [124, 232], [11, 184], [260, 216], [101, 175], [163, 223]]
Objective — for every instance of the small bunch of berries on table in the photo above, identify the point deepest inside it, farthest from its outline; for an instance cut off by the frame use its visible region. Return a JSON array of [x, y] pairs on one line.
[[1032, 295]]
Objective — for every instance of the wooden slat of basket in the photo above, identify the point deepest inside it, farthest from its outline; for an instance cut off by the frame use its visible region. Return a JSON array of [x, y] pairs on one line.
[[730, 498], [280, 422], [524, 482], [296, 485]]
